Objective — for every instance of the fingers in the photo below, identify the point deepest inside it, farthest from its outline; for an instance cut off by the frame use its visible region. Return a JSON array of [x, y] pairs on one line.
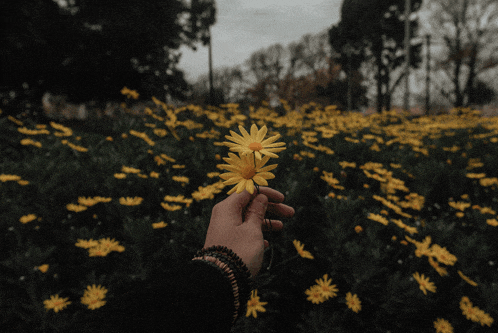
[[255, 213], [273, 195], [272, 225], [235, 209], [280, 210]]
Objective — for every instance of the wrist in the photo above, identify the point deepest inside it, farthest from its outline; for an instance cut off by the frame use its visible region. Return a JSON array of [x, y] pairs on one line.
[[234, 270]]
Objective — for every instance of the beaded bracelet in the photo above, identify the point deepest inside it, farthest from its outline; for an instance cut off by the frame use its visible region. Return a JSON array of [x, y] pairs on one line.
[[242, 272], [234, 270]]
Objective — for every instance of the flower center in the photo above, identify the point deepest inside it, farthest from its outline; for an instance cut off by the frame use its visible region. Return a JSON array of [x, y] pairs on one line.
[[255, 146], [248, 172]]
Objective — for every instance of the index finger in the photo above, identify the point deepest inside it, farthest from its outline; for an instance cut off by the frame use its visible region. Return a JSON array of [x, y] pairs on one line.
[[273, 195]]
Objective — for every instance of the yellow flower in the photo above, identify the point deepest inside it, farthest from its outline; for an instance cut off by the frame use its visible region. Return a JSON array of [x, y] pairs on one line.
[[171, 208], [208, 192], [75, 208], [443, 326], [254, 305], [130, 201], [213, 174], [254, 143], [442, 255], [245, 172], [26, 142], [328, 177], [180, 179], [474, 313], [378, 218], [43, 268], [160, 132], [111, 245], [466, 279], [422, 247], [55, 303], [441, 270], [159, 225], [353, 302], [93, 297], [154, 174], [167, 158], [99, 251], [315, 295], [424, 283], [492, 222], [65, 131], [86, 244], [27, 218], [76, 147], [142, 136], [129, 93], [299, 247], [6, 178], [358, 229], [87, 201], [120, 175], [327, 290], [126, 169], [460, 205]]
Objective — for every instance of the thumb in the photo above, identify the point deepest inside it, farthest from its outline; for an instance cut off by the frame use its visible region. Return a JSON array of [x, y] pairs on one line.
[[255, 213]]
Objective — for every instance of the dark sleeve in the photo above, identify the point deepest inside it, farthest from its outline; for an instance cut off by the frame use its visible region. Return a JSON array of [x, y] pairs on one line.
[[193, 298]]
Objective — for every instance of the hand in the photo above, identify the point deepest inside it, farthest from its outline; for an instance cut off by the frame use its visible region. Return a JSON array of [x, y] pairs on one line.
[[237, 223]]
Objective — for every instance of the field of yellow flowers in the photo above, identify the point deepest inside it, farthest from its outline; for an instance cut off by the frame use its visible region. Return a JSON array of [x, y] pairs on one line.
[[395, 227]]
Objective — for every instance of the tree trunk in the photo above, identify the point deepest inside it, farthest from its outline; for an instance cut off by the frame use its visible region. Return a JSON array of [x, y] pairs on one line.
[[377, 49], [469, 86]]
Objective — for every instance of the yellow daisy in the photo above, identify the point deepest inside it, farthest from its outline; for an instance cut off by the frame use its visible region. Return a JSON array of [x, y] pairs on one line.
[[254, 305], [93, 297], [245, 172], [443, 326], [27, 218], [315, 295], [299, 247], [56, 303], [353, 302], [443, 255], [128, 201], [424, 283], [254, 143], [327, 290]]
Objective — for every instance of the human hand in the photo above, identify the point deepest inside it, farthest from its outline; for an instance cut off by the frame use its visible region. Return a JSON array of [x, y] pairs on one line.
[[237, 223]]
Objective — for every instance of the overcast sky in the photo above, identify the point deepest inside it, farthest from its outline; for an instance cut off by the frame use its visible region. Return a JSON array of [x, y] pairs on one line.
[[243, 27]]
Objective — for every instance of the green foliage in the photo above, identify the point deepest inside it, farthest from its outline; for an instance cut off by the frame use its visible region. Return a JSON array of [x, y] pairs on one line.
[[434, 158]]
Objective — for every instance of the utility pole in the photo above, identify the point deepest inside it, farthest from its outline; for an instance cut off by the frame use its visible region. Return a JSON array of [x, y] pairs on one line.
[[210, 59], [406, 104], [427, 73], [349, 50]]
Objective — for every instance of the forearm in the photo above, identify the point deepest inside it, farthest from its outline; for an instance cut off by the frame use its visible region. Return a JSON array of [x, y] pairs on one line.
[[196, 297]]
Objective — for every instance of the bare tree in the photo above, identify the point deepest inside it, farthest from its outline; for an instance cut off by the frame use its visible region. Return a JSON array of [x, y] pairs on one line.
[[266, 66], [228, 86], [469, 31]]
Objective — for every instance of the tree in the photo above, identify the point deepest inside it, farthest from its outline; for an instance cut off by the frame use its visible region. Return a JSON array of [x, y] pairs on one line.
[[373, 31], [469, 31], [90, 49], [266, 66], [227, 83]]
